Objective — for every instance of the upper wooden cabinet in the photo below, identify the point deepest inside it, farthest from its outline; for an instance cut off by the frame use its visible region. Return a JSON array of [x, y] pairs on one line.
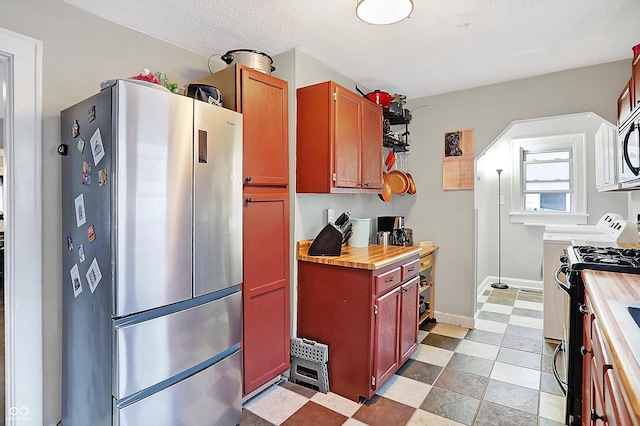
[[339, 141], [634, 85], [625, 103], [262, 100]]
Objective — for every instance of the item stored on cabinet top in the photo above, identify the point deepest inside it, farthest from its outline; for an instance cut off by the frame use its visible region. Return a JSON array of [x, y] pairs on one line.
[[206, 93], [381, 98], [259, 61]]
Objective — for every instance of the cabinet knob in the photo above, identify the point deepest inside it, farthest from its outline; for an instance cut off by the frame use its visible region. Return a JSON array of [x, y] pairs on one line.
[[366, 184], [248, 178], [248, 199], [584, 351], [390, 280], [595, 416]]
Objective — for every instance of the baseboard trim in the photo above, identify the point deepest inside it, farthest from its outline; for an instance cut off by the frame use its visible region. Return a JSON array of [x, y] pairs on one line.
[[453, 319], [519, 283]]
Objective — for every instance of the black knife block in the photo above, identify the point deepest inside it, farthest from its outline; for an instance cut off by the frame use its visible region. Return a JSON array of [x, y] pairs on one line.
[[327, 243]]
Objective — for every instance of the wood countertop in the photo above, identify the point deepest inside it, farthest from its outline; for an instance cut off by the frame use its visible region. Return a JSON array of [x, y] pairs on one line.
[[372, 257], [625, 288]]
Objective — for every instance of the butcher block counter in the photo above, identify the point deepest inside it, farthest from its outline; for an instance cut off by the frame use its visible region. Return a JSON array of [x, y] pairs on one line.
[[363, 304], [608, 295], [372, 257]]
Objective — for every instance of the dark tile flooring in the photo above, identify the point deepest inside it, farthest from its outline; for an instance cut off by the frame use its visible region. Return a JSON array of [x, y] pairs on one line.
[[497, 374]]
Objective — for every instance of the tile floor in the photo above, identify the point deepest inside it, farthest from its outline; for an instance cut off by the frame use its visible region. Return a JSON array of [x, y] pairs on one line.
[[498, 374]]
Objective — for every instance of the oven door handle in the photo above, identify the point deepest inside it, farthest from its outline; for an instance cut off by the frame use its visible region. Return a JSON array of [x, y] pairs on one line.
[[562, 383], [562, 284]]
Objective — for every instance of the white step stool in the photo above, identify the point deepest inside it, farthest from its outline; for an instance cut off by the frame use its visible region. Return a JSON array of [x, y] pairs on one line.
[[309, 363]]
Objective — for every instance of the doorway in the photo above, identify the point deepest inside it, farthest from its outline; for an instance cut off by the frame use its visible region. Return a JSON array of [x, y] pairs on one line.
[[21, 64]]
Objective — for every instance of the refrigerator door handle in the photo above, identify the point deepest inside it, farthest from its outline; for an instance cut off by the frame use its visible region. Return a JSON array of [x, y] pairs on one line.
[[202, 146]]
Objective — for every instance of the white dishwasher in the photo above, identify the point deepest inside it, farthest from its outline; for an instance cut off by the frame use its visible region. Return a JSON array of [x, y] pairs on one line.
[[554, 244]]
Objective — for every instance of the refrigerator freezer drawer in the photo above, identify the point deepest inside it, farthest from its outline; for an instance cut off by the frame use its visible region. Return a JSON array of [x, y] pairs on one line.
[[150, 351], [212, 395]]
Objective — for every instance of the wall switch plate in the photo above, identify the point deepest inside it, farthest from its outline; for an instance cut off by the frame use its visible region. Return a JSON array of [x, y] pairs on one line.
[[330, 216]]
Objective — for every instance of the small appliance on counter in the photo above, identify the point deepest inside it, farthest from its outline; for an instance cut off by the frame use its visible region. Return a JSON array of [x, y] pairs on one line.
[[331, 238], [395, 226]]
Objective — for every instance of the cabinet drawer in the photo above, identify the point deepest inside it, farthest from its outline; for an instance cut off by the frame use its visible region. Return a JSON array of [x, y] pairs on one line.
[[388, 280], [427, 261], [410, 270]]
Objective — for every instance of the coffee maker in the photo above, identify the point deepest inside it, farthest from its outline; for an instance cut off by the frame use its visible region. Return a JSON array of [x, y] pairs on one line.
[[395, 226]]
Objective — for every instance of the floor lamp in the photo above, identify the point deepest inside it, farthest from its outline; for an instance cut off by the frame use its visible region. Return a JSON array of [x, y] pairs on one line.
[[499, 284]]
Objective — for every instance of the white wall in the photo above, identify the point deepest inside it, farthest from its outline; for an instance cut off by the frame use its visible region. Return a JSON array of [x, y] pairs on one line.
[[522, 245]]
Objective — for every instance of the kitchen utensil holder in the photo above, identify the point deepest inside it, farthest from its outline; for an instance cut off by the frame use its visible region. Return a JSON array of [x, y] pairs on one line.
[[309, 363]]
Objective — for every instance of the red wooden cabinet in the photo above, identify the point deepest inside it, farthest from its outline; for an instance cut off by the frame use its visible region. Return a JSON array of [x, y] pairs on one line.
[[339, 141], [369, 320], [634, 85], [266, 291], [409, 313], [625, 103], [265, 115], [263, 101]]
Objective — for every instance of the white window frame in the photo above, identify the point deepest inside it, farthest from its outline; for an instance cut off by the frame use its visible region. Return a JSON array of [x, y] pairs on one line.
[[577, 144]]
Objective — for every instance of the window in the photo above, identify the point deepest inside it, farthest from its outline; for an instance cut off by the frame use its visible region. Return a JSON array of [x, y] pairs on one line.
[[549, 180]]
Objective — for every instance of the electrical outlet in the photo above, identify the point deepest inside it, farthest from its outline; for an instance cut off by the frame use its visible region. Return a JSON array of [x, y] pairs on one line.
[[330, 216]]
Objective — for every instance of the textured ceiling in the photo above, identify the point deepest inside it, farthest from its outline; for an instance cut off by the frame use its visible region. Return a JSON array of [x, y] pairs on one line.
[[446, 45]]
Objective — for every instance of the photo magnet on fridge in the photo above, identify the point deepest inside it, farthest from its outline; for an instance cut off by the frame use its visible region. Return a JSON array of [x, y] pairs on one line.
[[97, 149], [81, 143], [86, 173], [94, 275], [81, 253], [69, 242], [75, 280], [91, 233], [102, 177], [80, 214], [75, 129]]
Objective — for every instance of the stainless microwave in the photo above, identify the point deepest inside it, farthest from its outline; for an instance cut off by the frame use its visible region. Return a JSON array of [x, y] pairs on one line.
[[629, 151]]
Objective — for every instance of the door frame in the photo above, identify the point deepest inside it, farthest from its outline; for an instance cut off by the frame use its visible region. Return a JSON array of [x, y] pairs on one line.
[[21, 57]]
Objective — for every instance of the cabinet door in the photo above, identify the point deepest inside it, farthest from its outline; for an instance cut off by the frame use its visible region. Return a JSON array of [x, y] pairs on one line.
[[371, 157], [625, 103], [634, 85], [266, 286], [615, 406], [409, 319], [347, 136], [385, 357], [265, 114]]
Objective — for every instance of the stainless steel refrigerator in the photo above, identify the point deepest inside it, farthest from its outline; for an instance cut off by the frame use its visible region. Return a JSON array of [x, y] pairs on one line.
[[152, 259]]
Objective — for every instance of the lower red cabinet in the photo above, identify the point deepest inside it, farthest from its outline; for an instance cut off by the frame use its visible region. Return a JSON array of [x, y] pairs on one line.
[[368, 318], [603, 399], [266, 294]]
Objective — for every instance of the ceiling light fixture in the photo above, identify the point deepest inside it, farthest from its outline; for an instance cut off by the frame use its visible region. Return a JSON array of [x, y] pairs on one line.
[[383, 12]]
